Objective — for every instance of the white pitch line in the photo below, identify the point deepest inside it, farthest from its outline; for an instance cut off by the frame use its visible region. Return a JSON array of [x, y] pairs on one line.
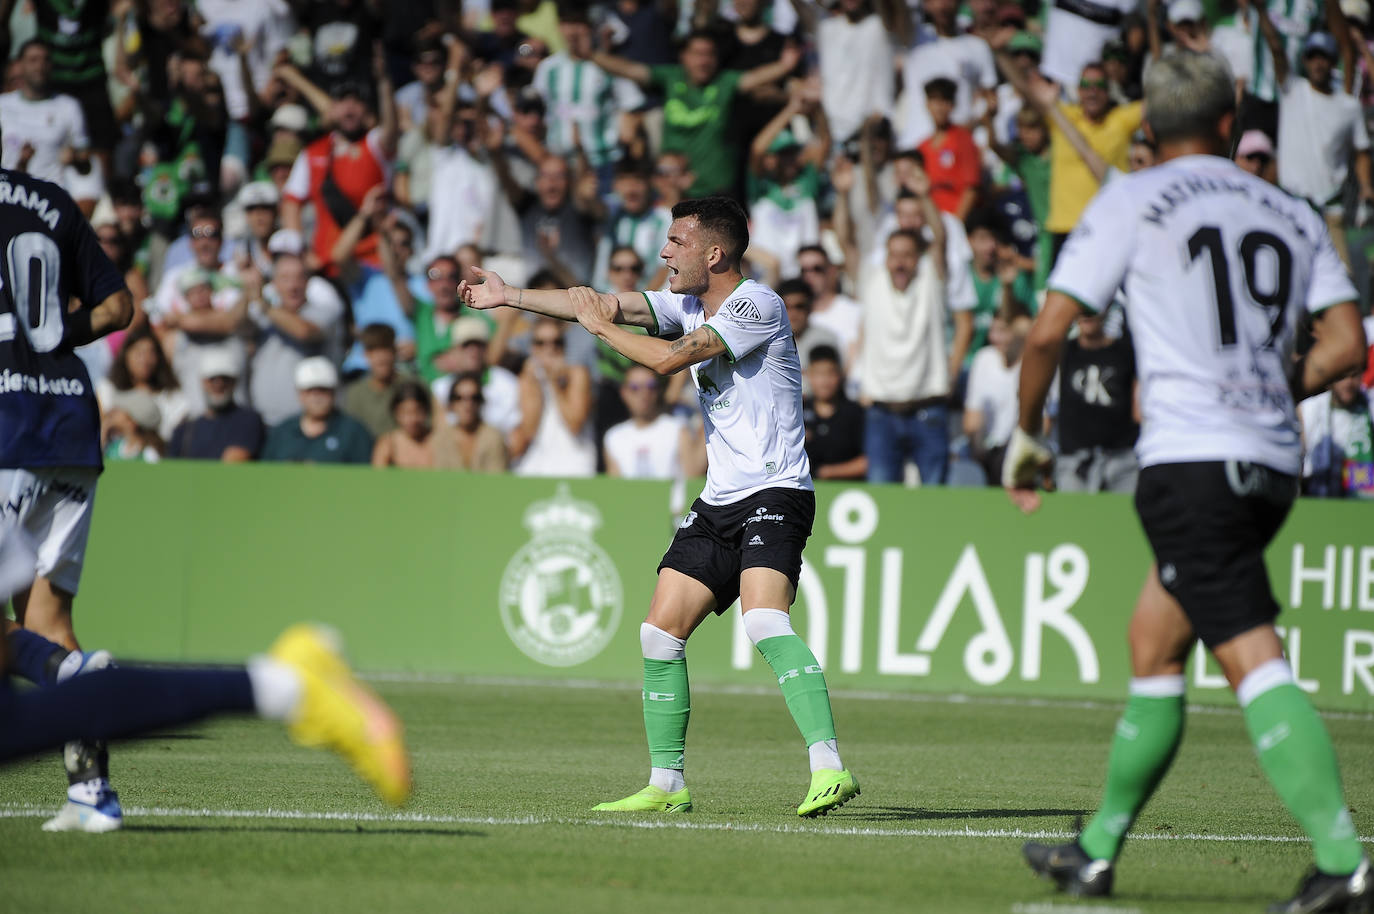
[[29, 810], [956, 698]]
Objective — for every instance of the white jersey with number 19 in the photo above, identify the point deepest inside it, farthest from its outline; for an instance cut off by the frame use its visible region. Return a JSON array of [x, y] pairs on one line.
[[1217, 266], [750, 397]]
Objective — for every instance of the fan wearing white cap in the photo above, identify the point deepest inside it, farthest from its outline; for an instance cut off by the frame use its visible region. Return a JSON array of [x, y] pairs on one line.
[[255, 214], [1322, 135], [321, 433], [226, 431], [1188, 29]]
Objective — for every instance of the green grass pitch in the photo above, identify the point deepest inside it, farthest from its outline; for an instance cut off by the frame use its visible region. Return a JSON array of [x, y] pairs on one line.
[[507, 772]]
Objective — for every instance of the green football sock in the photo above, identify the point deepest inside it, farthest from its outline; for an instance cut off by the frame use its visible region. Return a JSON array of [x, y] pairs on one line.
[[1147, 736], [667, 705], [1296, 754], [803, 685]]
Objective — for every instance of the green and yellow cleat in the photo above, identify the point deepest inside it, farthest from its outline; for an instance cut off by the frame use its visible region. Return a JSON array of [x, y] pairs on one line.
[[339, 713], [650, 799], [829, 791]]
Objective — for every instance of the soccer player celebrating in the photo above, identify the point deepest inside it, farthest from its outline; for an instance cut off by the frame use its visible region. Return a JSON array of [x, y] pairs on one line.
[[744, 536], [1218, 267], [49, 461]]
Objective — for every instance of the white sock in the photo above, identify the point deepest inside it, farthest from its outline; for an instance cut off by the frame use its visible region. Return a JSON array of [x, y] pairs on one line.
[[276, 688], [87, 792], [669, 779], [825, 755]]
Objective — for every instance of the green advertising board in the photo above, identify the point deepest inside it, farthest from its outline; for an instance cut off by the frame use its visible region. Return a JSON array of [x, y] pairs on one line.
[[947, 590]]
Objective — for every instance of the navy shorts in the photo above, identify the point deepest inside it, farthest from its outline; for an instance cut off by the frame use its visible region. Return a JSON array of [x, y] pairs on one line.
[[768, 529]]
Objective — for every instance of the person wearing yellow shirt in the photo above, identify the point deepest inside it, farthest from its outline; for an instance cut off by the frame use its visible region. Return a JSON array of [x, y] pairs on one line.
[[1106, 128]]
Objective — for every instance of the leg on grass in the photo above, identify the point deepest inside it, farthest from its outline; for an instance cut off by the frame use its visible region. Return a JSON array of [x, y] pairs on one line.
[[1293, 746], [1150, 729], [765, 594], [680, 603]]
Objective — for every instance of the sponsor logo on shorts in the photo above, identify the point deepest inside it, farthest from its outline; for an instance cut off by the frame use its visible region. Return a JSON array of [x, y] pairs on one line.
[[688, 520], [762, 514], [756, 541], [560, 598]]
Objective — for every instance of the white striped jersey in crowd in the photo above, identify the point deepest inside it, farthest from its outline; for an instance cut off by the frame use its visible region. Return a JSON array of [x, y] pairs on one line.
[[1218, 266], [750, 396], [579, 92]]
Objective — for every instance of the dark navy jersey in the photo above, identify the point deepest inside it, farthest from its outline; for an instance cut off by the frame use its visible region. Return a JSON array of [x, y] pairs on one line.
[[48, 255]]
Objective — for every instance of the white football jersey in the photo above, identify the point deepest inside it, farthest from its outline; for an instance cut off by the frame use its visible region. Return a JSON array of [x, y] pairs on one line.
[[1217, 266], [751, 397]]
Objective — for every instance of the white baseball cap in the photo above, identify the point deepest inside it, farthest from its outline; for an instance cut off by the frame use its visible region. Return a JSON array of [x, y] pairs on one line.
[[316, 371], [286, 241], [219, 362], [1186, 11], [290, 117], [259, 193]]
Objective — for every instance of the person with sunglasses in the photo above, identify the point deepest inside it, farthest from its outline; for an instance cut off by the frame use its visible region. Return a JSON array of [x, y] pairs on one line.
[[651, 444], [556, 435], [743, 538]]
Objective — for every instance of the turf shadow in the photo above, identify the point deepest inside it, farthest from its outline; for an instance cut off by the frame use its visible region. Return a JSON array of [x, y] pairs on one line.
[[912, 814], [137, 828]]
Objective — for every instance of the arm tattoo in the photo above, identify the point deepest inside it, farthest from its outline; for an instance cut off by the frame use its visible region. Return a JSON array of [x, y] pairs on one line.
[[693, 343]]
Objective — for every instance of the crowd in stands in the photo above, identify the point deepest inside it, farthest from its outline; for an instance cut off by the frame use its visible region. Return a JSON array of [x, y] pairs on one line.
[[294, 188]]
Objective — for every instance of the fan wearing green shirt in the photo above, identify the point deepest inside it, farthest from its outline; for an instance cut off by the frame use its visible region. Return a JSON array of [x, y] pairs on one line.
[[698, 96]]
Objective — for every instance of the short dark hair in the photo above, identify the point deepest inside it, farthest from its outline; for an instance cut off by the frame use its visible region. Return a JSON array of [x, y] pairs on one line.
[[377, 336], [32, 42], [988, 219], [823, 353], [943, 88], [795, 286], [722, 219], [473, 376], [702, 35], [913, 154], [813, 249], [413, 391], [914, 237], [622, 248], [573, 11]]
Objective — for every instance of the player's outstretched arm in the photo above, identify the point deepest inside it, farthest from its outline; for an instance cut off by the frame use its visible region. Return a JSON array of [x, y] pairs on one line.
[[89, 324], [595, 313], [629, 307]]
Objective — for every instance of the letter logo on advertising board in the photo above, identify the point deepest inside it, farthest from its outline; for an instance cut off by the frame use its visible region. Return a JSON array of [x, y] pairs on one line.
[[561, 595]]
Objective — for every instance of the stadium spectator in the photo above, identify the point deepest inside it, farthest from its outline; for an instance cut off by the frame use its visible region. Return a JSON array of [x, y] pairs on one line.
[[501, 390], [699, 97], [226, 431], [943, 52], [555, 434], [321, 433], [130, 428], [1322, 136], [215, 310], [633, 220], [651, 443], [335, 172], [1255, 154], [1099, 412], [557, 225], [258, 202], [796, 295], [296, 316], [831, 309], [997, 278], [673, 178], [951, 157], [1338, 441], [142, 366], [1108, 131], [45, 131], [378, 296], [369, 398], [411, 440], [990, 405], [124, 253], [469, 443], [462, 185], [785, 180], [428, 64], [589, 111], [904, 371], [834, 423], [856, 66], [437, 311], [1028, 157]]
